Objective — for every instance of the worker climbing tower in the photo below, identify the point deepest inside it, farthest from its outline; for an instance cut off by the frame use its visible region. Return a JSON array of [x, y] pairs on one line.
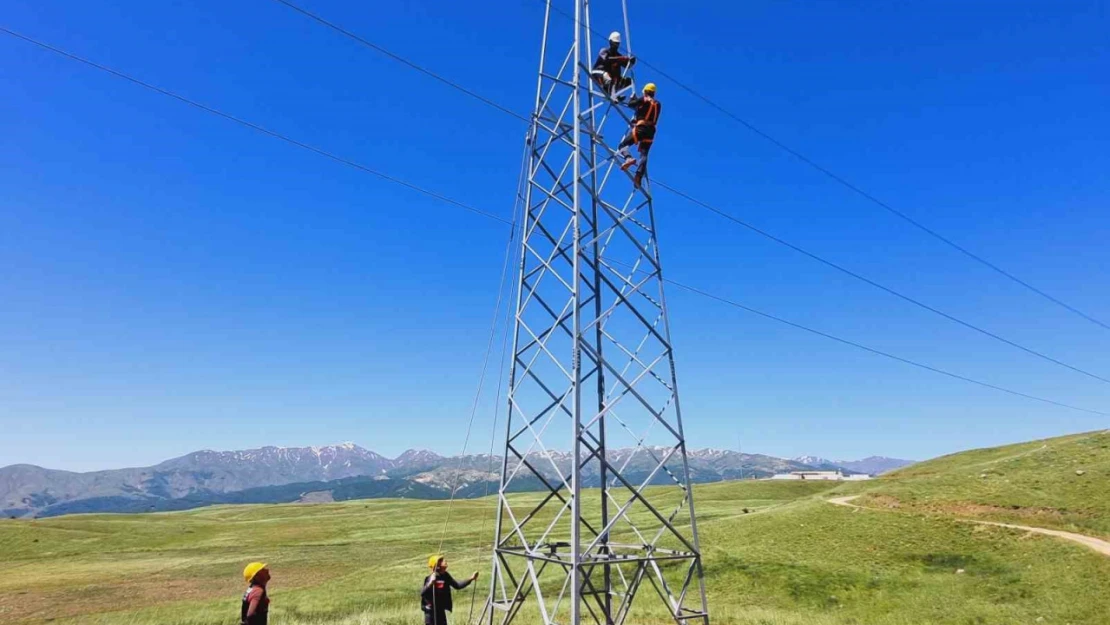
[[594, 418]]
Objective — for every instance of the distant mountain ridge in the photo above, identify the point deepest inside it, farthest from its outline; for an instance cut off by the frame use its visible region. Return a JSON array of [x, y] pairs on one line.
[[872, 465], [344, 471]]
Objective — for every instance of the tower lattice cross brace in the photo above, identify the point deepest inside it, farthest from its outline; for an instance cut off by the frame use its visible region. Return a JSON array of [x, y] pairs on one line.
[[594, 418]]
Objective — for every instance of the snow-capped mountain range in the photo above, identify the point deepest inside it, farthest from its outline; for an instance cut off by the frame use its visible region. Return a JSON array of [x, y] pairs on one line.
[[279, 473], [872, 465]]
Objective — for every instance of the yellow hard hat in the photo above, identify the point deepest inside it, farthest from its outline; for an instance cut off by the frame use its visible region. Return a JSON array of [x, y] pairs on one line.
[[433, 561], [252, 569], [649, 88]]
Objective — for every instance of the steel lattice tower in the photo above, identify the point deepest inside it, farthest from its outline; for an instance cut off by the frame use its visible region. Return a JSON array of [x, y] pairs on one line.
[[592, 369]]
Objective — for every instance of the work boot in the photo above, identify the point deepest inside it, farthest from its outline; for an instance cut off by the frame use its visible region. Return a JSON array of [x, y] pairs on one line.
[[629, 162]]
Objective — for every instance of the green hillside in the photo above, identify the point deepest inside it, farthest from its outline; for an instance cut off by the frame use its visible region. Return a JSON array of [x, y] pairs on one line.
[[1062, 483], [791, 559]]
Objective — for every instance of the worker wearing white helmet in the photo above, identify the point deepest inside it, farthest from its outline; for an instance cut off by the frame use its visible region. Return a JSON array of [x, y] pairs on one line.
[[609, 67]]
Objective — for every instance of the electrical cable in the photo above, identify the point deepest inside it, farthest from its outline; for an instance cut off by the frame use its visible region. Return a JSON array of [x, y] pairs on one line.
[[344, 161], [400, 59], [502, 283], [253, 126], [496, 411], [849, 185], [482, 376], [875, 284], [877, 352], [488, 215], [701, 204]]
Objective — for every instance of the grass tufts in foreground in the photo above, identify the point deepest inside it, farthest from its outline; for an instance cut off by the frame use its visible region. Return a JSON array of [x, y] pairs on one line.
[[792, 559], [1060, 483]]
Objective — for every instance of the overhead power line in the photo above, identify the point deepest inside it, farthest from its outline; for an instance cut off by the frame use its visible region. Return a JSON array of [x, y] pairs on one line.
[[881, 287], [455, 85], [492, 216], [252, 126], [400, 59], [877, 352], [846, 183]]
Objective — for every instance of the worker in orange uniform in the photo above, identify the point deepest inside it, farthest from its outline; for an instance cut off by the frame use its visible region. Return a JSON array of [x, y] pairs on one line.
[[256, 605], [435, 594], [642, 131]]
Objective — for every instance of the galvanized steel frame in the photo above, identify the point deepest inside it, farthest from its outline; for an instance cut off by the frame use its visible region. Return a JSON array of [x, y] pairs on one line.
[[590, 271]]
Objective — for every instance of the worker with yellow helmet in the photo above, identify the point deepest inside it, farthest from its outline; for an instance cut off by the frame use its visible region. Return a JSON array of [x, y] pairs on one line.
[[435, 594], [642, 133], [256, 605]]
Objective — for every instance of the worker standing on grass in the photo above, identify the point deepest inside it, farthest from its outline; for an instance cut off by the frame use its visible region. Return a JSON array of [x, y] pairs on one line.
[[642, 132], [256, 605], [435, 595]]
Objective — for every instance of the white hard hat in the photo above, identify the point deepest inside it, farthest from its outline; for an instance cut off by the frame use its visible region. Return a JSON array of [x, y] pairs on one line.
[[614, 37]]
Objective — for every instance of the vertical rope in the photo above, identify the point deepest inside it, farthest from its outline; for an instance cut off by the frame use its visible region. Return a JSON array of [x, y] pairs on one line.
[[474, 407], [631, 71], [481, 378], [517, 206], [627, 30]]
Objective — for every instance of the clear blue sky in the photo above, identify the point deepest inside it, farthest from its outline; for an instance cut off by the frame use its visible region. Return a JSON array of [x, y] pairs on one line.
[[171, 281]]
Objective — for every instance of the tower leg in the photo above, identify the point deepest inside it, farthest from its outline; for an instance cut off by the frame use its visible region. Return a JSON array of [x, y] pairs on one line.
[[594, 432]]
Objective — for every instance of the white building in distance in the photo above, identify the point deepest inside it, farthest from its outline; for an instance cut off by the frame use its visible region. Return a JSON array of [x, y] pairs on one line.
[[837, 476]]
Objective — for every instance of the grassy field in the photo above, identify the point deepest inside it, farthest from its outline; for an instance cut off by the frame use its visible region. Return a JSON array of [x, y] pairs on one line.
[[793, 560], [1061, 483]]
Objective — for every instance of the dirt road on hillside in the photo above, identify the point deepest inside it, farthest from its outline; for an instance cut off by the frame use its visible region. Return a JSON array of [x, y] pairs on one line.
[[1091, 542]]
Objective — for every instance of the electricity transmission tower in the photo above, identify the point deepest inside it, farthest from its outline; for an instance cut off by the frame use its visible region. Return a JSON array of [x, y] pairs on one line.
[[594, 418]]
